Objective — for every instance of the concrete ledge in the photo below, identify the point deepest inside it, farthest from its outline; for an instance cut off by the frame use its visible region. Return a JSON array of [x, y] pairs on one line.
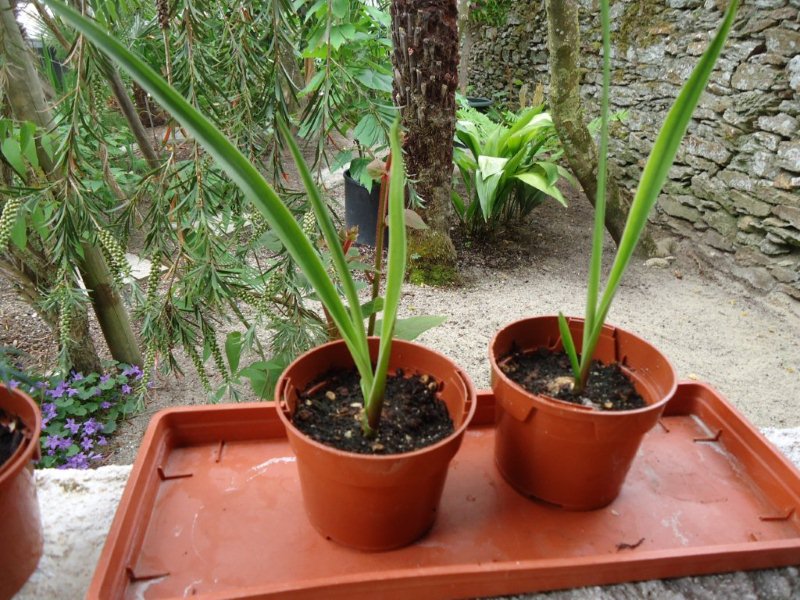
[[78, 507]]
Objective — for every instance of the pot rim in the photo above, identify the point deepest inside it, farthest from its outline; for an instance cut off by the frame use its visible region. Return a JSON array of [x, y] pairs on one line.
[[28, 449], [562, 405], [471, 402]]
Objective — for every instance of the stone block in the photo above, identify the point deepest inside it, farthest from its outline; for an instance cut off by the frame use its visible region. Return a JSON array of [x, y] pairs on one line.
[[715, 240], [784, 181], [722, 222], [782, 124], [786, 235], [789, 155], [785, 275], [788, 214], [708, 149], [793, 70], [749, 76], [748, 205], [674, 208], [758, 277], [748, 224], [772, 247], [737, 180], [749, 239], [783, 41]]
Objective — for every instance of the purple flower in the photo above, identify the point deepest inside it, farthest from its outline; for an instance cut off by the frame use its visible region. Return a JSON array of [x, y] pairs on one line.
[[58, 391], [52, 442], [71, 391], [79, 461], [105, 378], [133, 370], [72, 426], [48, 413], [87, 443], [64, 444], [105, 404], [91, 426], [77, 377], [97, 392], [13, 384], [126, 389], [102, 441]]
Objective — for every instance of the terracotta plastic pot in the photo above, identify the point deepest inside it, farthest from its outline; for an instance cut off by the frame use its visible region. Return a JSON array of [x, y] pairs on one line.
[[563, 453], [374, 502], [20, 523]]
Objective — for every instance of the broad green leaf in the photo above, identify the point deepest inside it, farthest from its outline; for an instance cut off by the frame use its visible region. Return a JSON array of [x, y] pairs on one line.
[[410, 328], [538, 180], [381, 16], [341, 33], [374, 80], [491, 165], [486, 188], [27, 143], [19, 233], [13, 154], [368, 131], [233, 349], [340, 8]]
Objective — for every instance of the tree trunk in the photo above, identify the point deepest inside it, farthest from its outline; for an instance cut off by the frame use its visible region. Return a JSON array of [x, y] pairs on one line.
[[465, 37], [27, 101], [563, 35], [425, 57]]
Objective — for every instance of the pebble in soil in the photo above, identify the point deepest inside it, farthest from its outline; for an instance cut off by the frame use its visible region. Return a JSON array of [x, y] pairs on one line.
[[549, 373], [413, 416]]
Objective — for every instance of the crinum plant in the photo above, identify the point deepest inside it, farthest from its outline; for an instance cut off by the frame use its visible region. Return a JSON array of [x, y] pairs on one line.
[[347, 315], [652, 180]]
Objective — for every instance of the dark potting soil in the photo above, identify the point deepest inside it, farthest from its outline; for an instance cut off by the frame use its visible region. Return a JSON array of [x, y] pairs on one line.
[[11, 435], [413, 417], [550, 373]]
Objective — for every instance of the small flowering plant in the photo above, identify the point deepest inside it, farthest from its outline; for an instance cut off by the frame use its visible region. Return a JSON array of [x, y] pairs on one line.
[[79, 412]]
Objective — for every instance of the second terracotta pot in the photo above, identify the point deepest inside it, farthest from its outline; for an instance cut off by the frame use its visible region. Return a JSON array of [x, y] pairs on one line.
[[373, 502], [561, 452], [20, 524]]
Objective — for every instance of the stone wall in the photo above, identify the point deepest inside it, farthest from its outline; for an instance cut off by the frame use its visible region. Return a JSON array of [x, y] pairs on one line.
[[735, 186]]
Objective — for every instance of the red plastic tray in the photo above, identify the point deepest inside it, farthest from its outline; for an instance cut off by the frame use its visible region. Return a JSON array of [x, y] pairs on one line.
[[212, 509]]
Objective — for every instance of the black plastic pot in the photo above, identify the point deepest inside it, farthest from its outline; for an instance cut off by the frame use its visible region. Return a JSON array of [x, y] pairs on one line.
[[361, 209], [479, 103]]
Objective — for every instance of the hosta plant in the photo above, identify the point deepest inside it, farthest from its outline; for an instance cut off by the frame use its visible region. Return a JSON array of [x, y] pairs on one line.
[[508, 169], [652, 180], [347, 313]]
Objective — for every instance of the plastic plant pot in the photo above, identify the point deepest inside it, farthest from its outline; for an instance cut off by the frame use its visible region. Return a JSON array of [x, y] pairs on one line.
[[361, 209], [563, 453], [368, 502], [20, 522]]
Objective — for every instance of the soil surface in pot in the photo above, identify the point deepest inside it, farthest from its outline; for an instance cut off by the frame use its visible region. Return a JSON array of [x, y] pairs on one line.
[[549, 373], [11, 435], [413, 417]]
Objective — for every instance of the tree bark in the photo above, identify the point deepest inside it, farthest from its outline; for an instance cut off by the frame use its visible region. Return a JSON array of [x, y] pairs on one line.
[[425, 57], [26, 98], [564, 43], [465, 38]]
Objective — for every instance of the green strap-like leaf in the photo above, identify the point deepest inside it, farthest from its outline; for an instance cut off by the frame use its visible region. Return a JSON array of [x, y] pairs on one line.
[[395, 272], [658, 166]]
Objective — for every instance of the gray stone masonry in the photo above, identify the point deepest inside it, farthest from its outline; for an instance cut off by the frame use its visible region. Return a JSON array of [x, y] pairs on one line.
[[735, 185]]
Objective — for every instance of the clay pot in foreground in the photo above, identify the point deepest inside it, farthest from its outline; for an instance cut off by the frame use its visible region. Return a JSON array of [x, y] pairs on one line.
[[20, 523], [374, 502], [566, 454]]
